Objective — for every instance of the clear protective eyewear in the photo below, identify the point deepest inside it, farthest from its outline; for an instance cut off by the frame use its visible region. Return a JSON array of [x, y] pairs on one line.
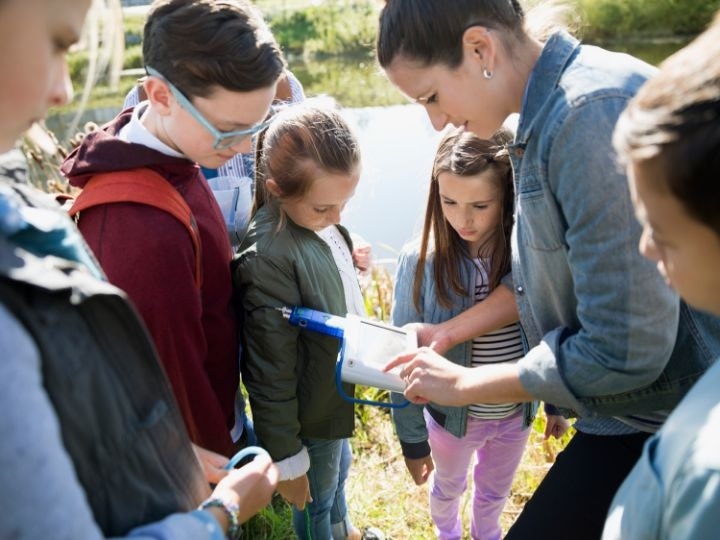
[[223, 139]]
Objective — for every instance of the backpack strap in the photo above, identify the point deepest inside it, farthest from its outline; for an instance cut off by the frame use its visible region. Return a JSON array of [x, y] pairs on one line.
[[142, 186]]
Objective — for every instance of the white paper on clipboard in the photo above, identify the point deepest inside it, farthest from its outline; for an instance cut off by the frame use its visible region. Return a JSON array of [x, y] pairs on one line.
[[369, 345]]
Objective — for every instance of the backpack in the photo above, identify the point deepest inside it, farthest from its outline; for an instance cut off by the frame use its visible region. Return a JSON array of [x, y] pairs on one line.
[[142, 186]]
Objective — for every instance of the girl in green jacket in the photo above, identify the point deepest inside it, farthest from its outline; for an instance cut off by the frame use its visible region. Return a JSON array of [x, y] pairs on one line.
[[297, 254]]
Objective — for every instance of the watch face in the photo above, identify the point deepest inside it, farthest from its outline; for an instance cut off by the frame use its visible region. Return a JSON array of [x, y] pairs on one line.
[[231, 510]]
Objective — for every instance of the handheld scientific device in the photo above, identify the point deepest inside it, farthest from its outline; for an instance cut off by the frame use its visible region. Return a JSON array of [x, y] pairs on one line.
[[366, 346]]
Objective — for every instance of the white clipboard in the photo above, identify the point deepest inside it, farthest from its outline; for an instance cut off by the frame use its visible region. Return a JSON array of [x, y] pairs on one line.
[[369, 346]]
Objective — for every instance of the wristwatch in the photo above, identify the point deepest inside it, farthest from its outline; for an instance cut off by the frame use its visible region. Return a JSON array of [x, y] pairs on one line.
[[231, 510]]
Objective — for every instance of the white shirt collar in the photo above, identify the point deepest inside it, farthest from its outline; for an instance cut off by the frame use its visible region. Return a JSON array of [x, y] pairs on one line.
[[135, 132]]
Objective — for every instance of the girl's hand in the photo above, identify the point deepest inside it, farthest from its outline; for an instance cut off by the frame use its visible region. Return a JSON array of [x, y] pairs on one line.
[[430, 377], [250, 487], [556, 426], [431, 335], [212, 464], [420, 469], [296, 491], [361, 257]]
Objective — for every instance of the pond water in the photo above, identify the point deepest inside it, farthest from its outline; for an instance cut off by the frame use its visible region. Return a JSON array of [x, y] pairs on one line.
[[397, 143]]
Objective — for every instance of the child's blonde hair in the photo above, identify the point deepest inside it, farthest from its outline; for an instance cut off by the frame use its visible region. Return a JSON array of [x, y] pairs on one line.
[[302, 140]]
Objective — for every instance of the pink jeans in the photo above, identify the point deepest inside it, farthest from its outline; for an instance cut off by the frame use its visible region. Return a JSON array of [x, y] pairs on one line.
[[498, 446]]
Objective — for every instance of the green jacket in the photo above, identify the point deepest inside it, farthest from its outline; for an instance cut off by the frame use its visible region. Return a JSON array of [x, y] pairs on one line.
[[289, 372]]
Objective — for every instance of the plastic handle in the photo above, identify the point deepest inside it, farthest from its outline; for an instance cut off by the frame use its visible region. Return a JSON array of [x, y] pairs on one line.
[[242, 454], [318, 321]]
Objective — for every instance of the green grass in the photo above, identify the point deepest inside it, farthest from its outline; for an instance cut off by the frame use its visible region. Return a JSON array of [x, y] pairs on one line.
[[336, 33], [633, 19]]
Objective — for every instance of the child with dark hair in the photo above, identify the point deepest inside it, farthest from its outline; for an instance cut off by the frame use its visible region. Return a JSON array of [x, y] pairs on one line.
[[232, 183], [213, 67], [463, 254], [669, 138], [90, 431]]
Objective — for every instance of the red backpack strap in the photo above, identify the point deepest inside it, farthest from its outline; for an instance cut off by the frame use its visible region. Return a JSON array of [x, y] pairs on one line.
[[142, 186]]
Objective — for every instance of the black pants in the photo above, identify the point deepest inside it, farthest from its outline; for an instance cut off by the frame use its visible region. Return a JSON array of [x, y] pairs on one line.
[[573, 499]]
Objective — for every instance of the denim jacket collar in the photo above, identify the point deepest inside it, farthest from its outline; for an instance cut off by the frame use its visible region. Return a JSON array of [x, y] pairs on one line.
[[544, 77]]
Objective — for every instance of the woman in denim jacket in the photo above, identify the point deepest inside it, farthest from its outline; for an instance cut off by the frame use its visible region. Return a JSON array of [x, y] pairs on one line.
[[462, 255], [609, 341]]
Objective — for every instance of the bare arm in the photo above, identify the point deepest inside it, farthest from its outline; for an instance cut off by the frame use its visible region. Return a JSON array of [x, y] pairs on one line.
[[497, 310], [430, 377]]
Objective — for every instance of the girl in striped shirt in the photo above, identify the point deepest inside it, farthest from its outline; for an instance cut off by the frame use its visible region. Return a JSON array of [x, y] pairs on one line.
[[462, 255]]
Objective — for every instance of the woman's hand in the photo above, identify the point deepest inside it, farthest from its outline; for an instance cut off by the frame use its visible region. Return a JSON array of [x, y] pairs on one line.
[[420, 469], [296, 491], [430, 377], [250, 487], [212, 464], [556, 426]]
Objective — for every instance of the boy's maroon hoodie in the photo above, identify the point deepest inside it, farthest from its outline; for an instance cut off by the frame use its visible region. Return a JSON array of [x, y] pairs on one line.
[[148, 253]]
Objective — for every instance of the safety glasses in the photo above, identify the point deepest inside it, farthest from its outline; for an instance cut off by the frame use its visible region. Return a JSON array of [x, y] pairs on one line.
[[223, 139]]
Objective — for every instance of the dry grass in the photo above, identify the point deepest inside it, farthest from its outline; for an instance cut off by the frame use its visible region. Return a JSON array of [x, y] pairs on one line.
[[381, 492]]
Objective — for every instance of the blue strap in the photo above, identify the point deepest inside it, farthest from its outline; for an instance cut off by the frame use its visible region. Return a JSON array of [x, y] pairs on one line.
[[209, 173], [242, 454]]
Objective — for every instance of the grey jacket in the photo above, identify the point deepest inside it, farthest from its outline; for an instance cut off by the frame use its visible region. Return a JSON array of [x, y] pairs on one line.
[[289, 373]]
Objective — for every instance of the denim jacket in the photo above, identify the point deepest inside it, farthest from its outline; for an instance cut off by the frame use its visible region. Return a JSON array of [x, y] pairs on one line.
[[674, 490], [608, 337], [409, 421]]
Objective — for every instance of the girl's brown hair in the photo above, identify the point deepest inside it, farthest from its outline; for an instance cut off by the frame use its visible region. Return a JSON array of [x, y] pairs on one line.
[[465, 154], [302, 140]]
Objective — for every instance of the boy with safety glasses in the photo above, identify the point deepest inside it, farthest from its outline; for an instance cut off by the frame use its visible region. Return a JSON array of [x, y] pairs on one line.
[[212, 69]]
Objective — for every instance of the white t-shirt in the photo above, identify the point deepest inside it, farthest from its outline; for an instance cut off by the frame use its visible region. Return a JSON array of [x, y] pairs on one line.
[[343, 260]]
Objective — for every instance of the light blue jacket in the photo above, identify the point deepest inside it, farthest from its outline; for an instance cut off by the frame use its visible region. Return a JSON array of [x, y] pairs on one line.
[[409, 421], [673, 493], [608, 336]]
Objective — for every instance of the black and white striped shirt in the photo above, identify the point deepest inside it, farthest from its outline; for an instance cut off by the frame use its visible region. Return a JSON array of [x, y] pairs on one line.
[[502, 345]]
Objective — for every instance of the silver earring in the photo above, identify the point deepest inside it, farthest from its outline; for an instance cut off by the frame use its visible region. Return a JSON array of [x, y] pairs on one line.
[[487, 74]]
